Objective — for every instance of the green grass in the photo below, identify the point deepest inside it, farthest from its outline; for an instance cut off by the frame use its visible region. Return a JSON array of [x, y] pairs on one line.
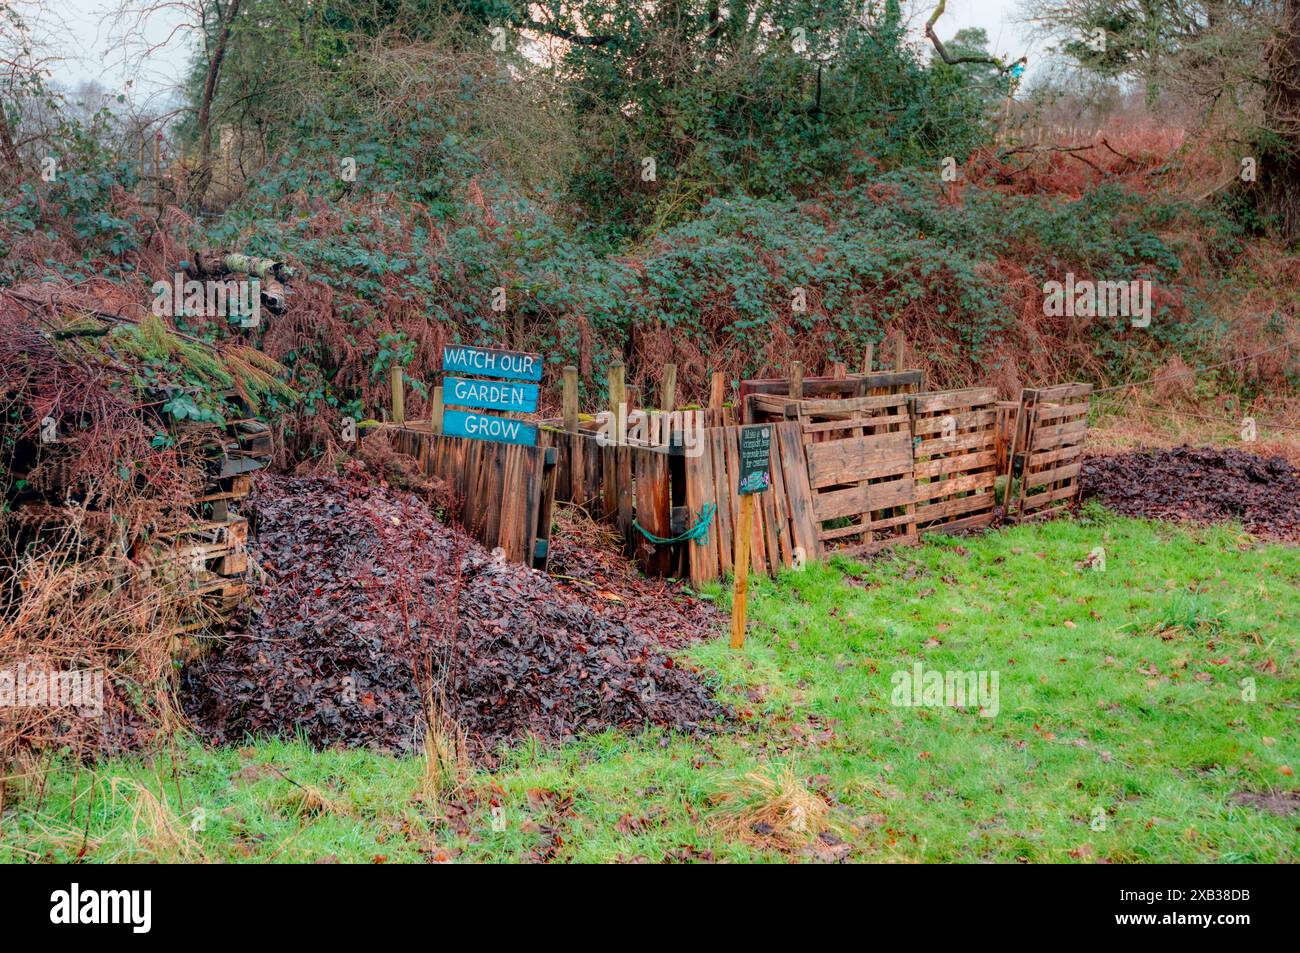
[[1122, 730]]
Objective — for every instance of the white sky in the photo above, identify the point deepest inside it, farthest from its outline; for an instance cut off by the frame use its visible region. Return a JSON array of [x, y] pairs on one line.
[[83, 34]]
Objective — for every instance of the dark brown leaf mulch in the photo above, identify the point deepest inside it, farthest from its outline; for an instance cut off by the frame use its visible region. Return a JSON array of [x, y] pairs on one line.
[[587, 561], [1209, 485], [367, 596]]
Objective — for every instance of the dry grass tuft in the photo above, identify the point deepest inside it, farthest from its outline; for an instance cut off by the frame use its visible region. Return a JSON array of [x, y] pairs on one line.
[[155, 827], [772, 810], [447, 763]]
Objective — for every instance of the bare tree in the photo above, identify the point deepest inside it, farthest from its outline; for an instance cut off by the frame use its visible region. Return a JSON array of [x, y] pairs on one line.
[[212, 22]]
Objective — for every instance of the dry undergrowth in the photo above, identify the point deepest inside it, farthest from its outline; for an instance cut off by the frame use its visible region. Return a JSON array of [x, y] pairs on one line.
[[156, 829], [774, 810]]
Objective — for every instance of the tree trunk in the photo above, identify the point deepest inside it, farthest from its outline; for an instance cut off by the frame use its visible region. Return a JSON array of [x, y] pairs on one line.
[[1279, 148], [204, 177]]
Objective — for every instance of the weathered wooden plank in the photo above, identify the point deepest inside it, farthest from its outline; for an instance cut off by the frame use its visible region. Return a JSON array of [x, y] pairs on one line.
[[956, 484], [936, 466], [948, 400], [973, 440], [1038, 500], [799, 496], [853, 423], [858, 458], [1046, 438], [1057, 394], [925, 426], [863, 498], [725, 496], [700, 489], [1057, 412]]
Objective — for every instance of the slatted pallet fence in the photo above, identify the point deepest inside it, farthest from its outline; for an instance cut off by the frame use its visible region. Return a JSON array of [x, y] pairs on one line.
[[955, 450], [860, 466], [1047, 455]]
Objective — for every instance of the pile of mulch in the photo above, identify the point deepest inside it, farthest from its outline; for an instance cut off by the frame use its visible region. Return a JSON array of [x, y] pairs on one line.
[[367, 605], [587, 561], [1208, 485]]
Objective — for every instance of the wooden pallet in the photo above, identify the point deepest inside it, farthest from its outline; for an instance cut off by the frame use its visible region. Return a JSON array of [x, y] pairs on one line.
[[208, 548], [784, 532], [875, 384], [860, 468], [955, 440], [1047, 457]]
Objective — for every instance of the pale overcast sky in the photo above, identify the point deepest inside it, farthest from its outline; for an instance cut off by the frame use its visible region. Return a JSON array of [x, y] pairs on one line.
[[84, 35]]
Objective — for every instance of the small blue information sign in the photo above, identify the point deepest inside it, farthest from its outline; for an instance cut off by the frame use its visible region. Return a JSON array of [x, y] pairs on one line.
[[492, 395], [458, 423], [491, 362]]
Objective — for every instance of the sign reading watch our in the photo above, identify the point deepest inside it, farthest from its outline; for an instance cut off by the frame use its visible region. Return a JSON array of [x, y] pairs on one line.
[[490, 362], [513, 392]]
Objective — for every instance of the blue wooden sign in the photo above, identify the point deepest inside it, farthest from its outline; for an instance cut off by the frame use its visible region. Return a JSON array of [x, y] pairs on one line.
[[493, 395], [458, 423], [491, 362]]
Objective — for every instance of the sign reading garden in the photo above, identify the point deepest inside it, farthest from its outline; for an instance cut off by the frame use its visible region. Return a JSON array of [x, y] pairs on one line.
[[511, 393]]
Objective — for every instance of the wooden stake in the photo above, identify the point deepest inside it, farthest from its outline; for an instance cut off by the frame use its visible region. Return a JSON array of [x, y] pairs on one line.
[[717, 387], [399, 394], [740, 589], [571, 399], [869, 358], [796, 380], [839, 371], [668, 388], [900, 343], [617, 390], [435, 411]]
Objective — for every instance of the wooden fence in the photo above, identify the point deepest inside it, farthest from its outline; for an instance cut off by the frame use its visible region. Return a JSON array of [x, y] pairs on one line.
[[1047, 453], [502, 494], [859, 462], [955, 436]]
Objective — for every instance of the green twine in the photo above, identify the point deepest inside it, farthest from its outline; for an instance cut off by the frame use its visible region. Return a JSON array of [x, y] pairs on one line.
[[699, 532]]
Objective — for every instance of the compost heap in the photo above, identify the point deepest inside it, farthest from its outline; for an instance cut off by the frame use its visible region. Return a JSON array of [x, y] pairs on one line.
[[1202, 486], [368, 605]]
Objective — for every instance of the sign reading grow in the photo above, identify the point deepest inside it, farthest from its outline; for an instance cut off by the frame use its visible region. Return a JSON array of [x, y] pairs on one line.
[[512, 393], [458, 423], [755, 459]]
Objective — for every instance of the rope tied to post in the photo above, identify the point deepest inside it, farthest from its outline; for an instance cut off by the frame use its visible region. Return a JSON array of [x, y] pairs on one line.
[[699, 532]]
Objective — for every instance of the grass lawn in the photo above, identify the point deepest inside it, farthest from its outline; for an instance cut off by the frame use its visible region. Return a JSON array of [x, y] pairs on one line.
[[1133, 702]]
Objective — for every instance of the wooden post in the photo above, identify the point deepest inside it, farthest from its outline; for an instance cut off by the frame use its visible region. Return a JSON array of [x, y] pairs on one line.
[[796, 380], [717, 387], [399, 394], [839, 371], [617, 390], [571, 399], [869, 357], [668, 388], [576, 470], [740, 589], [435, 411], [900, 343], [610, 456]]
